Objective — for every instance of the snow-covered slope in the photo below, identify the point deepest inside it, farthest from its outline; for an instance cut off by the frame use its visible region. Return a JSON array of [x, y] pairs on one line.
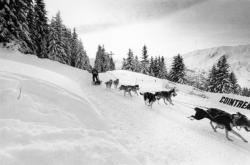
[[238, 58], [61, 119], [52, 122]]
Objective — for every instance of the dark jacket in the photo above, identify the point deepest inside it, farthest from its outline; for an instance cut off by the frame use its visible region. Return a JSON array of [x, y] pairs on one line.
[[94, 72]]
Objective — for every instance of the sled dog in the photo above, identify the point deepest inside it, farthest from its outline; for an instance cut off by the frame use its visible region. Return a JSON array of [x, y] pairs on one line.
[[116, 83], [134, 88], [149, 98], [129, 88], [166, 95], [109, 83], [223, 120]]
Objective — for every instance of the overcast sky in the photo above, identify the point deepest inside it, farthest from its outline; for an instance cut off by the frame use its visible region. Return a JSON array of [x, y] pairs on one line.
[[167, 27]]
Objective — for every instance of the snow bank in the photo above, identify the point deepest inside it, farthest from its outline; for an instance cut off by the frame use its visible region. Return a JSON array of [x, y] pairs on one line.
[[45, 117]]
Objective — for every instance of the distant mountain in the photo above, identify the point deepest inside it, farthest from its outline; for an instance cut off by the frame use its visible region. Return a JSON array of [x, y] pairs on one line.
[[238, 58]]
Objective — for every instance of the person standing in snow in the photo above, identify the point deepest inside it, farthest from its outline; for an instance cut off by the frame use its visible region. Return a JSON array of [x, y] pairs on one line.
[[95, 75]]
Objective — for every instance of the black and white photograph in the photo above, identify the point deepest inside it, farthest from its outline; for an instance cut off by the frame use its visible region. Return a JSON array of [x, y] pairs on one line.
[[124, 82]]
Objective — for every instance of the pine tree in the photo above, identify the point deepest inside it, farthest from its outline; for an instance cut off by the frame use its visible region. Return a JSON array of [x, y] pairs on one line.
[[26, 41], [177, 71], [112, 64], [123, 63], [156, 67], [56, 45], [103, 60], [219, 78], [144, 61], [82, 60], [106, 60], [130, 61], [99, 60], [223, 82], [67, 39], [13, 27], [234, 87], [212, 86], [74, 48], [163, 70], [137, 64], [79, 55], [42, 27], [26, 24], [32, 29], [151, 66]]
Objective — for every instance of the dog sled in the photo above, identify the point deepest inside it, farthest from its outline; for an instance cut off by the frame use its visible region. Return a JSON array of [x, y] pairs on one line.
[[98, 82]]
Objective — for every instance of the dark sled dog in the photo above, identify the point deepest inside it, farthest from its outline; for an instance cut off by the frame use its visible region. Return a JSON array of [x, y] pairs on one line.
[[134, 88], [129, 88], [116, 83], [223, 120], [109, 83], [166, 95], [149, 98]]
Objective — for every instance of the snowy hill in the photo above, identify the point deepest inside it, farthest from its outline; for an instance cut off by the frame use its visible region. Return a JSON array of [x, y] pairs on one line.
[[238, 58], [50, 114], [53, 122]]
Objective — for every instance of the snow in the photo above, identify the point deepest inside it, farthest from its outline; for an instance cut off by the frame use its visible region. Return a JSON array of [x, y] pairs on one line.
[[61, 119]]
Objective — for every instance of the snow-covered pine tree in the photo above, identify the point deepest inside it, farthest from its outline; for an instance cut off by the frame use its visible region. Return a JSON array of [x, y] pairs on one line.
[[99, 59], [32, 28], [137, 64], [41, 22], [26, 41], [145, 61], [163, 70], [112, 64], [123, 64], [82, 60], [222, 76], [74, 47], [106, 60], [156, 67], [151, 66], [56, 49], [211, 83], [103, 60], [79, 55], [177, 71], [67, 38], [234, 87], [13, 27], [130, 61]]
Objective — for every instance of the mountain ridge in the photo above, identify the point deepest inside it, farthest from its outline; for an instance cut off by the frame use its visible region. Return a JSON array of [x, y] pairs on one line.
[[238, 58]]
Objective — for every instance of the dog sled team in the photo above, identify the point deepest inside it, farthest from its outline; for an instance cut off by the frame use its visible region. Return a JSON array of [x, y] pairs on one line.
[[218, 118], [149, 98]]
